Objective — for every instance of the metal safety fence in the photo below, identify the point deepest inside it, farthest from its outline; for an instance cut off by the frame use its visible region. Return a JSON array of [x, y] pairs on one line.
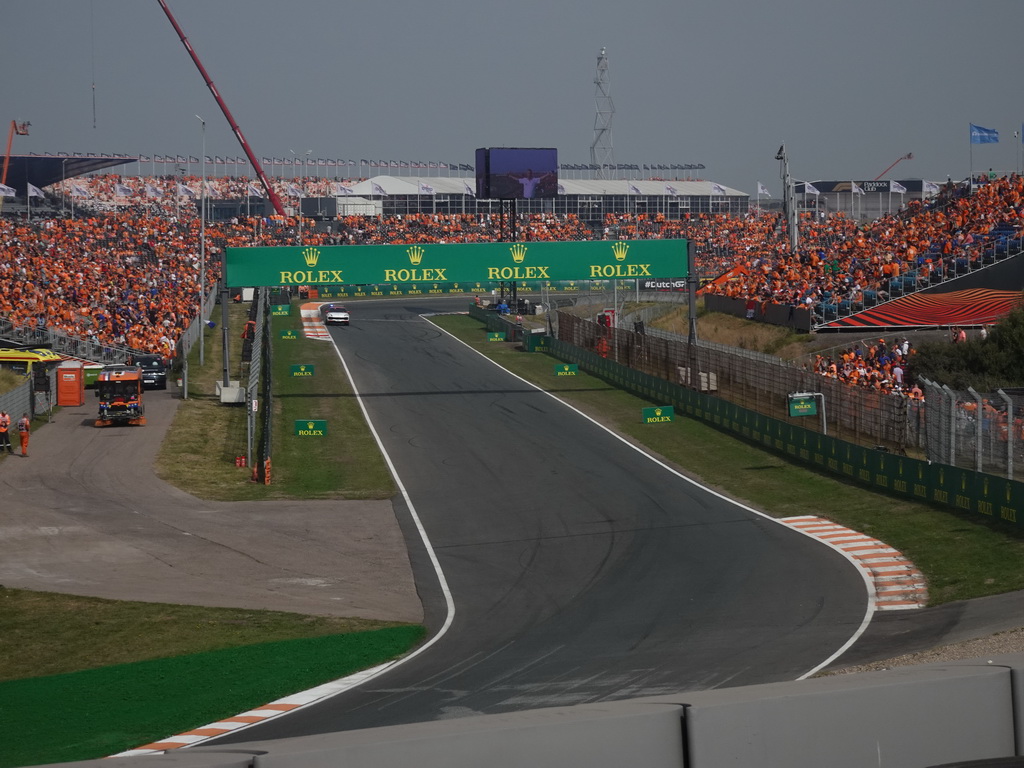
[[980, 431], [260, 387], [756, 381]]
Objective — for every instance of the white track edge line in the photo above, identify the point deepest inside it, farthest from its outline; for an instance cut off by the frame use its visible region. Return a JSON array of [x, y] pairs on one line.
[[868, 585]]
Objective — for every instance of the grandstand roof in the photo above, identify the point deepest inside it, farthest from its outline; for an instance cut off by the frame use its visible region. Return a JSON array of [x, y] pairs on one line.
[[444, 185], [43, 170]]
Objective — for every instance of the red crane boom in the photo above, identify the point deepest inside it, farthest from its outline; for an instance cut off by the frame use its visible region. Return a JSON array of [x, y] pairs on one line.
[[271, 194]]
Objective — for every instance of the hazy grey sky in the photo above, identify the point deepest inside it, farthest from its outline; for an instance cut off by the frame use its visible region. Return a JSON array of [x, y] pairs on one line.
[[849, 87]]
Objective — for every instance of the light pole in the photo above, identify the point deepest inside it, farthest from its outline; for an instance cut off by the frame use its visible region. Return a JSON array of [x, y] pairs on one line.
[[202, 246], [304, 160], [63, 184]]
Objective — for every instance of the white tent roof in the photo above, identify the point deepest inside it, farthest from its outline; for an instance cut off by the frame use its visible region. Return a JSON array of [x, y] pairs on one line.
[[458, 185]]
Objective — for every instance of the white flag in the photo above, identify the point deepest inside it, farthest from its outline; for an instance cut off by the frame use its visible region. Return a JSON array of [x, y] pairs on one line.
[[152, 191], [6, 191], [293, 190], [78, 191], [378, 189], [426, 189], [123, 190], [855, 189], [253, 191], [763, 190], [669, 189], [810, 189], [930, 187], [342, 189], [561, 189], [633, 189], [185, 191], [34, 191], [895, 186], [717, 189], [469, 190]]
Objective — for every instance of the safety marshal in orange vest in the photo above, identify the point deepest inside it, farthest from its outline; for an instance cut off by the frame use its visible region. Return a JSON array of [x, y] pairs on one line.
[[5, 432], [24, 429]]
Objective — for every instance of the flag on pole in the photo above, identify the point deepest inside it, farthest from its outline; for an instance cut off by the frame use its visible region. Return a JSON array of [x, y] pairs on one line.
[[342, 189], [34, 191], [253, 191], [78, 191], [185, 191], [981, 135], [931, 188], [810, 189], [763, 190], [426, 189], [6, 191], [895, 186], [561, 189], [378, 189], [123, 190], [669, 189], [858, 190], [152, 191], [717, 189], [469, 190], [293, 190], [634, 190]]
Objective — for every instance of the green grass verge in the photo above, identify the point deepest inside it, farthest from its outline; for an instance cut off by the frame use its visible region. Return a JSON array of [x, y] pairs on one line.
[[98, 712], [961, 557], [199, 452]]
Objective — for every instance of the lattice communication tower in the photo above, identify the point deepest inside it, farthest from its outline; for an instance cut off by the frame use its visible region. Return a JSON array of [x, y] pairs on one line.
[[601, 154]]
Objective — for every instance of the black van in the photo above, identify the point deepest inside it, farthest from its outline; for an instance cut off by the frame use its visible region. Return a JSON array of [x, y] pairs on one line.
[[154, 370]]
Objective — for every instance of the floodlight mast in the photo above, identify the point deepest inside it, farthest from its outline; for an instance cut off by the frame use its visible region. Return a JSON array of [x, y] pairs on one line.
[[271, 194], [788, 199]]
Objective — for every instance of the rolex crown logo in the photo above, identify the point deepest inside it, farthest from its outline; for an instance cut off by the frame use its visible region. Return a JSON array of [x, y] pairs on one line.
[[311, 255], [620, 249], [657, 411], [518, 252], [415, 255], [309, 425]]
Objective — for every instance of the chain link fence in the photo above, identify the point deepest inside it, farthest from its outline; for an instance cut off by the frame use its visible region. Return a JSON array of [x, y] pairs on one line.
[[979, 431], [753, 380]]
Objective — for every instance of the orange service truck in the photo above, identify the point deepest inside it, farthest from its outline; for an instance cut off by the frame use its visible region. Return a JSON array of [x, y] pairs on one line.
[[119, 389]]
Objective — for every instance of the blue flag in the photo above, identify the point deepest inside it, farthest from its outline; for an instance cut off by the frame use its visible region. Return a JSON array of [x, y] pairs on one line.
[[981, 135]]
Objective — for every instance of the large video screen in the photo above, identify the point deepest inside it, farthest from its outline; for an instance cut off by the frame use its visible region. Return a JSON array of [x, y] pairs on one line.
[[516, 173]]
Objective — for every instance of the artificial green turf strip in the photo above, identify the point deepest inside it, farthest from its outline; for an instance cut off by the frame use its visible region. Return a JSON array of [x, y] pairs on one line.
[[98, 712]]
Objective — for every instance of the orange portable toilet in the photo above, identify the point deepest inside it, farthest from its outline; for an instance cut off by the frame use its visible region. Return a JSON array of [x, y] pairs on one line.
[[71, 384]]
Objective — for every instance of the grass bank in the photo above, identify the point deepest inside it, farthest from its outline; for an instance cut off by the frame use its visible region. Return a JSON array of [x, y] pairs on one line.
[[962, 557], [98, 712], [199, 452]]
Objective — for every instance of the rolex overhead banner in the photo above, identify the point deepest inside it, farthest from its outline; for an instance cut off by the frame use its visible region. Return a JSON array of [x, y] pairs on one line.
[[468, 262]]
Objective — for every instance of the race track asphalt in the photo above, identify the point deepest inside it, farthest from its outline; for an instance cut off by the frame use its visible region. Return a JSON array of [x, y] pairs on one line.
[[581, 570]]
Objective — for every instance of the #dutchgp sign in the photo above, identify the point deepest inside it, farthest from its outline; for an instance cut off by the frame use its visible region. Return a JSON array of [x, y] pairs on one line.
[[485, 263]]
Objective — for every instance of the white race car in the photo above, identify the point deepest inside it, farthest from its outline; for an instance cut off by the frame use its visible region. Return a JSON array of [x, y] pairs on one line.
[[336, 315]]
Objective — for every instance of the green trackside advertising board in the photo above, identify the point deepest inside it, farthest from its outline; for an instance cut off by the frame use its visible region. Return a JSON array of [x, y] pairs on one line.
[[377, 290], [303, 370], [803, 405], [567, 369], [496, 336], [657, 415], [289, 333], [311, 428], [462, 262], [281, 309]]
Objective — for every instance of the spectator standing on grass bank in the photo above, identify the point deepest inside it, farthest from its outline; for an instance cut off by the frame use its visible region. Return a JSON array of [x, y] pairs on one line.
[[5, 432], [24, 430]]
